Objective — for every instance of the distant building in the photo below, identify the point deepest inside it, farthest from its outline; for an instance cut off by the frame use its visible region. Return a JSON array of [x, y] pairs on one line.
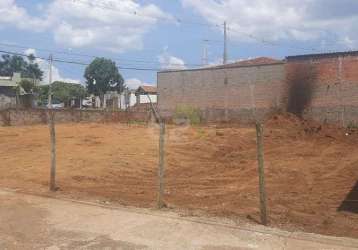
[[146, 99], [9, 97], [8, 86], [127, 99], [146, 94], [142, 96], [122, 101]]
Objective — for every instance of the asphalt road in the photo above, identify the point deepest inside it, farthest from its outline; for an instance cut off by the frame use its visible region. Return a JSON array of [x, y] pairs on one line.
[[33, 222]]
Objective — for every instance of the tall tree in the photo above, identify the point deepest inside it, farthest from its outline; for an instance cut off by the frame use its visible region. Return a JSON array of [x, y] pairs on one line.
[[28, 68], [102, 75]]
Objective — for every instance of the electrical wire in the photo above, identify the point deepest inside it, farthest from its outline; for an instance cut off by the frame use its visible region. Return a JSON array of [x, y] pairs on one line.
[[182, 21], [136, 13], [118, 60], [78, 63], [144, 62]]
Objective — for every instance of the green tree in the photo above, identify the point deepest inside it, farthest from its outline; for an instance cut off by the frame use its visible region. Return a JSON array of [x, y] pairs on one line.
[[28, 68], [28, 86], [62, 91], [102, 75], [43, 94], [65, 92]]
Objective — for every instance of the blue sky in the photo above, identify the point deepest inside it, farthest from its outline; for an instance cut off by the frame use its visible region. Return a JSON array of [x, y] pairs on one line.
[[160, 34]]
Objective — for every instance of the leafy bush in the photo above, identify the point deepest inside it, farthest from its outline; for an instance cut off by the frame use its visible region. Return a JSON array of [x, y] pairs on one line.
[[188, 113]]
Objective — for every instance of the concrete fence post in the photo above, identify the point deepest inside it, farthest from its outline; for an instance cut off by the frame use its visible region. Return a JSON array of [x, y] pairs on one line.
[[260, 159], [160, 201]]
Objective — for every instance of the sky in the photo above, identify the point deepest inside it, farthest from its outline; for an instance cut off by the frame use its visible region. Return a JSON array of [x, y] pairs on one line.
[[145, 36]]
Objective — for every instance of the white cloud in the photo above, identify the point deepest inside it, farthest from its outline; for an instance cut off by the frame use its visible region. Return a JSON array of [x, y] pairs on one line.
[[273, 20], [134, 83], [56, 75], [219, 61], [11, 14], [44, 66], [348, 42], [115, 25], [30, 51], [169, 62]]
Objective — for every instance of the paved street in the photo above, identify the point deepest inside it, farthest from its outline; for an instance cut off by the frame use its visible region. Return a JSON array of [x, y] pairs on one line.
[[32, 222]]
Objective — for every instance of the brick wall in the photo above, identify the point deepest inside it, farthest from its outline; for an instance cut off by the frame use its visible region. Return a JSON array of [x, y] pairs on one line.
[[18, 117], [335, 89], [326, 86], [230, 94]]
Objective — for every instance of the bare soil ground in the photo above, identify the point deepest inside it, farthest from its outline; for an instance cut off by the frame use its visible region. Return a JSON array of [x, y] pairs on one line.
[[210, 169]]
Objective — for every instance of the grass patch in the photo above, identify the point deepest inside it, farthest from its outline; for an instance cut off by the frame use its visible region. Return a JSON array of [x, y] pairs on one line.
[[189, 113]]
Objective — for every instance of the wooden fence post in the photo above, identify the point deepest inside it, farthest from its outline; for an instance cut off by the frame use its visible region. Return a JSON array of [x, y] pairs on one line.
[[53, 149], [161, 165], [51, 124], [260, 159]]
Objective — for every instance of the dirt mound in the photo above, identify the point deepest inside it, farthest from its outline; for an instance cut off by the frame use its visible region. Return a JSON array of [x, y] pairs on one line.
[[296, 125], [281, 120]]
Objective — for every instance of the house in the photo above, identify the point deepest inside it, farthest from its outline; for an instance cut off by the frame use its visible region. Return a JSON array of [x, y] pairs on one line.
[[11, 95], [121, 101], [127, 99], [146, 94], [8, 86], [112, 100], [146, 99]]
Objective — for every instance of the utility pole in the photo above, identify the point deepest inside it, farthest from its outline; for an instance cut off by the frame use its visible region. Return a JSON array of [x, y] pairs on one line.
[[225, 44], [205, 53], [51, 124], [49, 100]]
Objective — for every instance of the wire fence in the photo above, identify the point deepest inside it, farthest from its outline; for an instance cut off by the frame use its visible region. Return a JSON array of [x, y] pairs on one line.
[[220, 169]]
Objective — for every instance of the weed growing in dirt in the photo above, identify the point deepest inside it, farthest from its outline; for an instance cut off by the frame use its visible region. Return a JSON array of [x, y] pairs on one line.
[[188, 113], [201, 133], [133, 122], [352, 125]]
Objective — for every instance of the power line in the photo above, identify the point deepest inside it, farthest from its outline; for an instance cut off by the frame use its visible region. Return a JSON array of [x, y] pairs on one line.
[[270, 43], [21, 54], [180, 20], [145, 62], [78, 63], [136, 13], [118, 60], [177, 19]]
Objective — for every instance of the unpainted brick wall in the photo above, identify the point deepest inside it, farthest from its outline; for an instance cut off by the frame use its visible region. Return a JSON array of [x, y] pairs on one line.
[[335, 94], [19, 117], [231, 94], [246, 93]]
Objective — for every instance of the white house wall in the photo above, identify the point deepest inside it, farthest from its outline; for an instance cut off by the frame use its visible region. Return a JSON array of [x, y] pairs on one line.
[[145, 99]]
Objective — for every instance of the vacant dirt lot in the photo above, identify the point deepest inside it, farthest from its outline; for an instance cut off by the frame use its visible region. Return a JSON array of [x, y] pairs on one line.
[[211, 169]]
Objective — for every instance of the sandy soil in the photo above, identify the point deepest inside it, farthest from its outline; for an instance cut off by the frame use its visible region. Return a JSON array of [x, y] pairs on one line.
[[210, 169], [29, 222]]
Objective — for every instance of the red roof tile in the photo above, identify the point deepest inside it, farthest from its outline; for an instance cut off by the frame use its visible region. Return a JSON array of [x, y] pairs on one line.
[[251, 62], [148, 89]]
